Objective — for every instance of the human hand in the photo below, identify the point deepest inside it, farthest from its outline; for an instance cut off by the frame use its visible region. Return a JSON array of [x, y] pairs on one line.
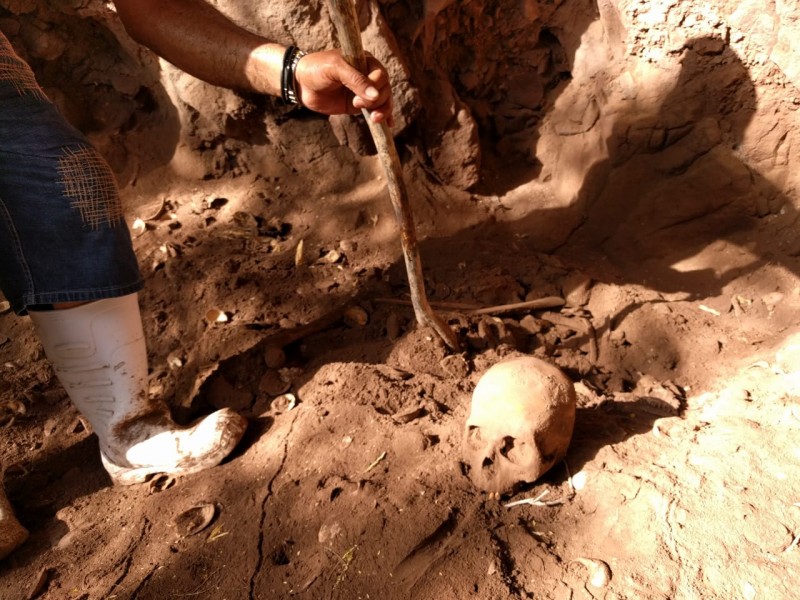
[[326, 83]]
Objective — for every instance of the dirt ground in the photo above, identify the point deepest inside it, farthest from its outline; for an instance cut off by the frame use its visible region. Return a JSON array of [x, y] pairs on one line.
[[662, 211]]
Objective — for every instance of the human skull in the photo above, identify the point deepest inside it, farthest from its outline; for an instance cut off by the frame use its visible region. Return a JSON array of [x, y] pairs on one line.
[[520, 423]]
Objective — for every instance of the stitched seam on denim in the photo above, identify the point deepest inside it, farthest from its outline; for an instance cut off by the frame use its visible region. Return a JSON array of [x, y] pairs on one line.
[[90, 290], [14, 70], [18, 245], [88, 180], [97, 293]]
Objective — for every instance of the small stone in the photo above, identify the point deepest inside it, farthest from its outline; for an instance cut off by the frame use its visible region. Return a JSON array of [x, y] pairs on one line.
[[329, 532], [348, 246], [455, 365], [772, 299], [286, 323], [273, 384], [245, 220], [49, 427], [531, 324], [284, 402], [331, 257], [393, 327], [175, 360], [408, 415], [274, 357], [577, 289], [355, 316]]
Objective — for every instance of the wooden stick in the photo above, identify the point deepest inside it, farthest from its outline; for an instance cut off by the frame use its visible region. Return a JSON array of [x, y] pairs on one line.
[[457, 307], [471, 310], [538, 304], [344, 19]]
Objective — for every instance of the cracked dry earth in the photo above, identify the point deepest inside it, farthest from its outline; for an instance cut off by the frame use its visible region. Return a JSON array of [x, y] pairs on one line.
[[650, 183]]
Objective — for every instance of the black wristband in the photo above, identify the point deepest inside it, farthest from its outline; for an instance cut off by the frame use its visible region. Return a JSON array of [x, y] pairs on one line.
[[288, 79]]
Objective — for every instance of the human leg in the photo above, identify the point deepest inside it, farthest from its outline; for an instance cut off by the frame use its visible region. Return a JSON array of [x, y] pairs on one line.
[[63, 239], [98, 353]]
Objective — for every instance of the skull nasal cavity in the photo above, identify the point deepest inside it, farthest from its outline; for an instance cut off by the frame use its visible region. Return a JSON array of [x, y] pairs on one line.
[[475, 433]]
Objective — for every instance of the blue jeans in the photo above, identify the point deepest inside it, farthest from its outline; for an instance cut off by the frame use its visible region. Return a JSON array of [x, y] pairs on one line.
[[63, 237]]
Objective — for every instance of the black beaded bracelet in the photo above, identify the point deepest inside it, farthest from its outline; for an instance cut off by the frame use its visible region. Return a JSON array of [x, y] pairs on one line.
[[291, 57]]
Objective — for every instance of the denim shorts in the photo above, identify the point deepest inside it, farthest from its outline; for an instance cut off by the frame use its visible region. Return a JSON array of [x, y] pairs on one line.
[[63, 237]]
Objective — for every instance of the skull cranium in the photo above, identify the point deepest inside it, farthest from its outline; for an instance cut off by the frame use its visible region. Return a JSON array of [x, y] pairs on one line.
[[520, 423]]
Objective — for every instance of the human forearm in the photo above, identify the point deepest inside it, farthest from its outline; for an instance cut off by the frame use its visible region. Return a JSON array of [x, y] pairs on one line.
[[198, 39]]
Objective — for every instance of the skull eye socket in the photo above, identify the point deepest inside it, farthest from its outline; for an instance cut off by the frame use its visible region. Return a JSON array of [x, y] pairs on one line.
[[506, 447], [517, 451]]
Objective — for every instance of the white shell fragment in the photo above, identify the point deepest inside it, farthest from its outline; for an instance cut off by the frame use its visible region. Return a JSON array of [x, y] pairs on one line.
[[284, 402], [11, 409], [520, 423], [215, 315], [175, 360], [331, 257], [139, 226], [579, 480], [599, 571]]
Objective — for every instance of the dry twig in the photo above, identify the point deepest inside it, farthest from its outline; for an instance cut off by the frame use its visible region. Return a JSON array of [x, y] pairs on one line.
[[536, 501], [375, 462], [471, 310]]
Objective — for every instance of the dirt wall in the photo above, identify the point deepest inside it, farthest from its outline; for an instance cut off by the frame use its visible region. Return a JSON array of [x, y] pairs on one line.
[[543, 103]]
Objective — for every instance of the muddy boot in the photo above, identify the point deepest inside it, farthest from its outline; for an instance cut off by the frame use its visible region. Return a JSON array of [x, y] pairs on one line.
[[12, 534], [98, 353]]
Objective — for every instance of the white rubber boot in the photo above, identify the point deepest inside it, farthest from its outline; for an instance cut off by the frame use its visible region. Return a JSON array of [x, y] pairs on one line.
[[12, 534], [98, 353]]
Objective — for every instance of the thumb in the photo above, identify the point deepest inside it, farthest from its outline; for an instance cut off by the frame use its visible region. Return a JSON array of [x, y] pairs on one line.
[[358, 83]]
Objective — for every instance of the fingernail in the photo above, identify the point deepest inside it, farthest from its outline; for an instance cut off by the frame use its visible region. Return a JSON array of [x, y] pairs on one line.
[[372, 93]]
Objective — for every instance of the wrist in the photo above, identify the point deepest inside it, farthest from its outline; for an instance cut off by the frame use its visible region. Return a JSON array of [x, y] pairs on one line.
[[264, 69]]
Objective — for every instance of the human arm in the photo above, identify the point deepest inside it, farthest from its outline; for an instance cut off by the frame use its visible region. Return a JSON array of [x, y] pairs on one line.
[[195, 37]]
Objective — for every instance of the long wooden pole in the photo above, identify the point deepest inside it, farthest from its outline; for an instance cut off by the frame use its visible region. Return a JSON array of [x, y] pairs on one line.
[[344, 19]]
